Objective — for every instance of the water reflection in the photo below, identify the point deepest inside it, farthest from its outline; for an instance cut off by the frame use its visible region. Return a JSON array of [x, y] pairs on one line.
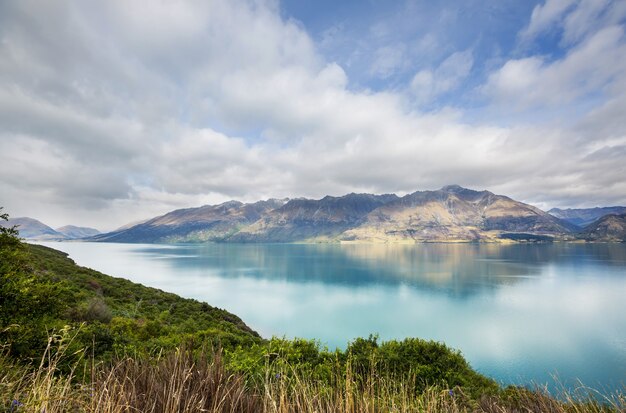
[[458, 269], [518, 312]]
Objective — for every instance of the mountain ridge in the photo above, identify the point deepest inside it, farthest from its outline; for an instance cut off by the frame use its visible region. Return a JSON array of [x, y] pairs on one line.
[[449, 214], [454, 213], [583, 217], [312, 220], [33, 229], [208, 223]]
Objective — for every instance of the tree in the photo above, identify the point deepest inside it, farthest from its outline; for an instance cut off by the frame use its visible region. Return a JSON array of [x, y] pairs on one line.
[[13, 265]]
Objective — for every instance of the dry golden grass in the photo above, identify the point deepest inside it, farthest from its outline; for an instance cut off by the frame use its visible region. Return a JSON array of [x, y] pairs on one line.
[[183, 382]]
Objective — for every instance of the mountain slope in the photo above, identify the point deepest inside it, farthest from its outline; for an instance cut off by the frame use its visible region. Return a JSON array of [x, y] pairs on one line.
[[449, 214], [312, 220], [454, 213], [585, 216], [74, 232], [33, 229], [203, 224], [609, 228]]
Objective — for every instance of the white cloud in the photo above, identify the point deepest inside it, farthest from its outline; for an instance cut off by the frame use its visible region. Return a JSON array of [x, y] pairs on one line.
[[575, 18], [428, 84], [116, 112], [535, 82], [388, 60], [590, 16], [544, 17]]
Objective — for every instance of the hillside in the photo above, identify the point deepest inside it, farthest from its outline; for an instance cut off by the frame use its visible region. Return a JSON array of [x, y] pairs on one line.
[[204, 224], [454, 213], [585, 216], [33, 229], [74, 232], [119, 314], [609, 228], [312, 220]]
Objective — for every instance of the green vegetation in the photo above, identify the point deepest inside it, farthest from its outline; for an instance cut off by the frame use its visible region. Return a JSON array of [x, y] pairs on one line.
[[42, 290], [73, 339]]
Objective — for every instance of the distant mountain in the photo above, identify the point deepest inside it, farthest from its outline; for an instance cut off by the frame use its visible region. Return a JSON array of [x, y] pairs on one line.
[[609, 228], [585, 216], [204, 224], [454, 213], [74, 232], [450, 214], [312, 220], [32, 229]]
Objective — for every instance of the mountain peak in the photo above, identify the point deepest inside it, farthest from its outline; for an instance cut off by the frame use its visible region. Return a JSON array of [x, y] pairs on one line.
[[453, 188], [460, 191], [229, 204]]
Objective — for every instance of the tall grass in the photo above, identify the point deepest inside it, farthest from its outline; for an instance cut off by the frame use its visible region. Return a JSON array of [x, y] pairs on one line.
[[187, 381]]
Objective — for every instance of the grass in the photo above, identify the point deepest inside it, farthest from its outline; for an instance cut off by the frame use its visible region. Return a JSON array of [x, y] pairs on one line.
[[185, 380]]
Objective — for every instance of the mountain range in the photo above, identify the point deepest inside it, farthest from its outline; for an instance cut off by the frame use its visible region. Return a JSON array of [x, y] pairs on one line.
[[450, 214], [584, 217], [33, 229]]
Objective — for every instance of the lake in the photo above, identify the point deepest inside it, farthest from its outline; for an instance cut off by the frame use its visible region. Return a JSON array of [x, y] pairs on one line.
[[519, 313]]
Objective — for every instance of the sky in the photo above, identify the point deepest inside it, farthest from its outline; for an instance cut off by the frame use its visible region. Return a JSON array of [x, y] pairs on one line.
[[117, 111]]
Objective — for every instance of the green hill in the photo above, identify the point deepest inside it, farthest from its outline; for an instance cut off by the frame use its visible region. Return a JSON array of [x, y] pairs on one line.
[[45, 290]]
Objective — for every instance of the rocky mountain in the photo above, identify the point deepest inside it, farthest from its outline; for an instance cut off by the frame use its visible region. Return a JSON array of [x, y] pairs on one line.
[[204, 224], [585, 216], [312, 220], [449, 214], [32, 229], [453, 213], [74, 232], [609, 228]]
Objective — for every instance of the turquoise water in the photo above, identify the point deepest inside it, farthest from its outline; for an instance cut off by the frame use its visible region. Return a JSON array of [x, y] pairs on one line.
[[519, 313]]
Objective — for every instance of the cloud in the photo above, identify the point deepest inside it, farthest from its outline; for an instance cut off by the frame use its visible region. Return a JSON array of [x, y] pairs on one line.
[[544, 17], [587, 69], [117, 112], [575, 19], [590, 16], [427, 84], [388, 60]]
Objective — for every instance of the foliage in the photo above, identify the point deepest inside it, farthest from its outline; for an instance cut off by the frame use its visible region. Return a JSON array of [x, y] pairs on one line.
[[185, 380], [419, 364], [42, 289]]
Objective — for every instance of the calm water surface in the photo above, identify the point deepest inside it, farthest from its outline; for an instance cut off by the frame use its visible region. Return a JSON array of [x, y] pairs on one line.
[[519, 313]]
